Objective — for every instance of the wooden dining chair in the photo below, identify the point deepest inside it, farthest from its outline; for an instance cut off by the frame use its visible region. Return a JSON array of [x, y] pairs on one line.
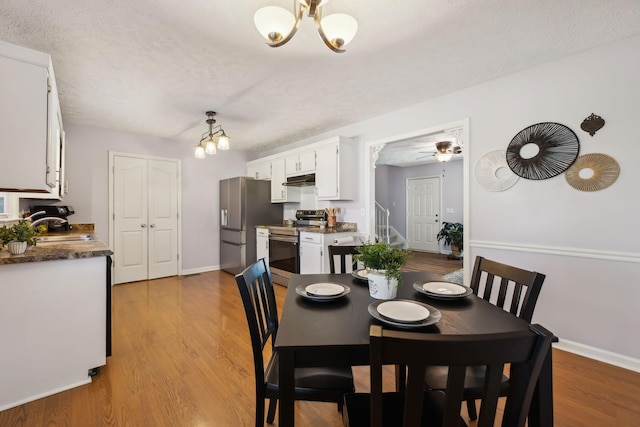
[[342, 252], [414, 406], [515, 290], [314, 384]]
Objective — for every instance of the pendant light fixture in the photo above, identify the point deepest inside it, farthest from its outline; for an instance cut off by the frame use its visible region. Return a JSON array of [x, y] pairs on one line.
[[278, 25], [209, 145]]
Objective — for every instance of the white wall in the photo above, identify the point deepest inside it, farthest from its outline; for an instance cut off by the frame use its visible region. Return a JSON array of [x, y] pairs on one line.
[[586, 243], [87, 163]]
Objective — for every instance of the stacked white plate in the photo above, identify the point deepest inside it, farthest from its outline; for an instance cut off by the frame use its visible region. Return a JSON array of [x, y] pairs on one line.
[[405, 314], [442, 290], [323, 291]]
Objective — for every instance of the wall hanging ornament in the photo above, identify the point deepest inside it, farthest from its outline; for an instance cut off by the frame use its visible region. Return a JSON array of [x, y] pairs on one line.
[[592, 124], [493, 173], [593, 172], [542, 151]]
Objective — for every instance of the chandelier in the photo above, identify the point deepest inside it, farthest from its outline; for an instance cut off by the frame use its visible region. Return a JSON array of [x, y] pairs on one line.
[[445, 150], [278, 25], [209, 145]]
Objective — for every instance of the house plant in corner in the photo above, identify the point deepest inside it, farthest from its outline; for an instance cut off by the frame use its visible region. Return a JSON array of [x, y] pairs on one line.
[[452, 234], [383, 263], [18, 236]]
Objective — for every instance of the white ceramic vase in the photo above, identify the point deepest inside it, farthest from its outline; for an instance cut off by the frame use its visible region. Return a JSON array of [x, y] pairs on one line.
[[17, 248], [379, 287]]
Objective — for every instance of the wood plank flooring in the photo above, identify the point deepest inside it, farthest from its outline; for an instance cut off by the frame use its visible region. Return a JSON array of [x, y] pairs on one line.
[[182, 357]]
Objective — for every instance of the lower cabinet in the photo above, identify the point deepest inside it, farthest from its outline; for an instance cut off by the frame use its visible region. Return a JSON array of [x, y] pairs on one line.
[[262, 243], [314, 251]]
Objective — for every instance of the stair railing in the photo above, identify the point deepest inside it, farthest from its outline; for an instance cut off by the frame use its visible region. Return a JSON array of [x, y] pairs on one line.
[[382, 223]]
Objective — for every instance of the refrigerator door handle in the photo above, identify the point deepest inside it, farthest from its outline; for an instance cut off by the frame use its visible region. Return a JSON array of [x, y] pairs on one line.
[[223, 217], [233, 244]]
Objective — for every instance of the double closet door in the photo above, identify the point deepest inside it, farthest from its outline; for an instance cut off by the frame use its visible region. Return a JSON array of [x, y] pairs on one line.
[[145, 218]]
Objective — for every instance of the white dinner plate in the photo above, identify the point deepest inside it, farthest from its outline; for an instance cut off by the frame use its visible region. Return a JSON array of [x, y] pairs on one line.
[[403, 311], [438, 290], [324, 289], [301, 290], [362, 274], [434, 316]]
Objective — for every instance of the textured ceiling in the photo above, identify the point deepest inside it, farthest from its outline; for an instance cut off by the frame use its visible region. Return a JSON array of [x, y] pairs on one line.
[[154, 67]]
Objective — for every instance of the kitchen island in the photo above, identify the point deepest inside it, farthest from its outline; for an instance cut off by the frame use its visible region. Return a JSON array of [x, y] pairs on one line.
[[55, 305]]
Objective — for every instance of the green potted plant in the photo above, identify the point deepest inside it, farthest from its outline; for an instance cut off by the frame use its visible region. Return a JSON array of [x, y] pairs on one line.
[[18, 236], [452, 234], [383, 263]]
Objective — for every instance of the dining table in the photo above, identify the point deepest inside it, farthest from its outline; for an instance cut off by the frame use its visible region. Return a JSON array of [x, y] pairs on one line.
[[335, 332]]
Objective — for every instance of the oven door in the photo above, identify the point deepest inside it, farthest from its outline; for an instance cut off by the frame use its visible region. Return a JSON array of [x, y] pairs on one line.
[[284, 253]]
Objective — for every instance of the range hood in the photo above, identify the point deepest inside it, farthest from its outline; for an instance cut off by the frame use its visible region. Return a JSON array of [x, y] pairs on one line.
[[301, 181]]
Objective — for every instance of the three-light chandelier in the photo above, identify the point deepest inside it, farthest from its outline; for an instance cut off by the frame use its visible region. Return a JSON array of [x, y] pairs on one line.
[[211, 145], [278, 25]]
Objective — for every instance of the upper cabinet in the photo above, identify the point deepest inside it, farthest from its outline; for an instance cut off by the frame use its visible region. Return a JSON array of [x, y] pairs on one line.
[[281, 193], [259, 169], [301, 163], [334, 170], [31, 132]]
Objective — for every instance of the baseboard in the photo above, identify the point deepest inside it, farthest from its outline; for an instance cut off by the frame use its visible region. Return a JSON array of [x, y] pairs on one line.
[[605, 356], [45, 394], [199, 270]]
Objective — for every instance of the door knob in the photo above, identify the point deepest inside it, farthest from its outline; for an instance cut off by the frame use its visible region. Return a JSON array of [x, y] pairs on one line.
[[143, 225], [152, 225]]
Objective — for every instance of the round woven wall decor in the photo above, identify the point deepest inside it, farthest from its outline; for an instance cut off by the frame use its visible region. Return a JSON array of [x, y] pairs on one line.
[[493, 173], [605, 172], [557, 147]]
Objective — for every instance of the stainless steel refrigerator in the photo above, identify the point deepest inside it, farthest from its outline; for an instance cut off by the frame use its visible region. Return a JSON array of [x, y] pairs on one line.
[[244, 203]]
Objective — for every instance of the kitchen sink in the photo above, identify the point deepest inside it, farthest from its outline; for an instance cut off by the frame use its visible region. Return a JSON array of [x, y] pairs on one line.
[[65, 239]]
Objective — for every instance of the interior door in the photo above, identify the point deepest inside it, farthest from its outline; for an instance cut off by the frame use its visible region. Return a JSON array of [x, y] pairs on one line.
[[130, 219], [163, 218], [423, 210]]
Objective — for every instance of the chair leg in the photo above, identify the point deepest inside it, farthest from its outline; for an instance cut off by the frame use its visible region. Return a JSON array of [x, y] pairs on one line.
[[271, 414], [471, 409], [340, 405]]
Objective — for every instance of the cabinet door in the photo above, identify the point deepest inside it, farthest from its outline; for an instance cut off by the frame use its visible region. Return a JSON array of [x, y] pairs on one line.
[[307, 161], [310, 258], [262, 244], [259, 170], [327, 172], [292, 165], [277, 178], [23, 126]]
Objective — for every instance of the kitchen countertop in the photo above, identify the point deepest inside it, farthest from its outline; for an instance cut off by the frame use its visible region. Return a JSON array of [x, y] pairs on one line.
[[59, 250], [341, 227]]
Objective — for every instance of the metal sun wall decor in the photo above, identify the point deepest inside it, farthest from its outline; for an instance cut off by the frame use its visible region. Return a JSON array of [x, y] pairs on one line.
[[557, 146], [605, 171], [592, 124]]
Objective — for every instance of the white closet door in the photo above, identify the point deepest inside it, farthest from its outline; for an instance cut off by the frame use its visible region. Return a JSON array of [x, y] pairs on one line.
[[423, 208], [130, 219], [163, 218]]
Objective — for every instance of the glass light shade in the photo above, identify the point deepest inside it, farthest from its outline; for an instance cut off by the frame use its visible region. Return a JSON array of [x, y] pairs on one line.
[[199, 151], [223, 142], [321, 3], [444, 157], [339, 26], [210, 147], [273, 19]]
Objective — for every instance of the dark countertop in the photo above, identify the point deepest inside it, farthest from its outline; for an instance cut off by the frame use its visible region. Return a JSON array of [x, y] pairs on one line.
[[59, 250], [341, 227]]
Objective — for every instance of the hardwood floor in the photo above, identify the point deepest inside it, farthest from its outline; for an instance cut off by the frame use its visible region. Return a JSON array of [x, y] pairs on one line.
[[438, 263], [181, 357]]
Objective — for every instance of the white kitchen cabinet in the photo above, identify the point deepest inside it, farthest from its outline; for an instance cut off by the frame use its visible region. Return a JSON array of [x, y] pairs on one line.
[[281, 193], [31, 132], [335, 166], [259, 169], [314, 251], [301, 163], [262, 243]]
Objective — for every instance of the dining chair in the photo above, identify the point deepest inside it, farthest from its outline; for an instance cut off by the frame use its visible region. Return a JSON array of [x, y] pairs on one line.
[[342, 252], [414, 406], [515, 290], [313, 384]]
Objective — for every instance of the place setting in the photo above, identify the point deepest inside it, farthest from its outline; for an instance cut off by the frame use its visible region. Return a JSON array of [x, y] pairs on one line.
[[361, 274], [404, 314], [323, 291], [443, 290]]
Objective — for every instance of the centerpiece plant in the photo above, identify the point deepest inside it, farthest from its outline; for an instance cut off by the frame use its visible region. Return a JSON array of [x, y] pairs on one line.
[[382, 261], [19, 236]]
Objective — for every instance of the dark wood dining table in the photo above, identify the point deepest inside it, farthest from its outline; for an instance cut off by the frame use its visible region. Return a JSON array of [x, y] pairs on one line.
[[336, 333]]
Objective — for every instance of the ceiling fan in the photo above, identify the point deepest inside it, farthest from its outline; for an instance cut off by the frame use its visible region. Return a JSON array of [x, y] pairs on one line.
[[444, 150]]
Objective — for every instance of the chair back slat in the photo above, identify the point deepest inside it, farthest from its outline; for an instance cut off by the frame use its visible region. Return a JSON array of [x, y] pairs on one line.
[[342, 251], [524, 351], [518, 288]]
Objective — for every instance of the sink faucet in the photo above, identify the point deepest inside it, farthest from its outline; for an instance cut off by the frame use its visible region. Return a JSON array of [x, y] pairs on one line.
[[48, 218]]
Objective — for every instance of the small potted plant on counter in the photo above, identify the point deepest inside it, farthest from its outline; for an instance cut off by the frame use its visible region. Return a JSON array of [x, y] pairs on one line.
[[383, 263], [18, 236], [452, 234]]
